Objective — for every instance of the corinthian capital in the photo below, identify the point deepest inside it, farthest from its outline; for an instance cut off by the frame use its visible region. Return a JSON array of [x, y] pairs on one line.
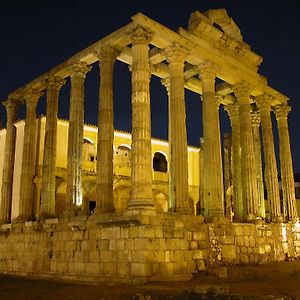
[[264, 102], [11, 106], [208, 70], [166, 83], [282, 111], [79, 69], [232, 110], [176, 53], [54, 82], [32, 96], [242, 90], [106, 54], [141, 35]]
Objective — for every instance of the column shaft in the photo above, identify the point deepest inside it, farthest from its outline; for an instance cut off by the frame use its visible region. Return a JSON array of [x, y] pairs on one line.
[[238, 207], [248, 168], [47, 209], [75, 137], [286, 164], [28, 158], [271, 175], [213, 178], [177, 132], [255, 123], [107, 56], [8, 163], [141, 158]]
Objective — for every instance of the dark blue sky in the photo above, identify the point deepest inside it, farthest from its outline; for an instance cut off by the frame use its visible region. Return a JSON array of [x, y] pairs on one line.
[[38, 35]]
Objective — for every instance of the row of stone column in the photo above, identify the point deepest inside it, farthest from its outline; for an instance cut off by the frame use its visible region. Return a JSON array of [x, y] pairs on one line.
[[245, 181], [247, 166]]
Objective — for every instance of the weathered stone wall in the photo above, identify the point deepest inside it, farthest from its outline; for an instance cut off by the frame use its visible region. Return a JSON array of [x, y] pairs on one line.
[[130, 249]]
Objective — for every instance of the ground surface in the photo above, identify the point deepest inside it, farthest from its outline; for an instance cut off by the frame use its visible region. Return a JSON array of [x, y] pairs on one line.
[[271, 281]]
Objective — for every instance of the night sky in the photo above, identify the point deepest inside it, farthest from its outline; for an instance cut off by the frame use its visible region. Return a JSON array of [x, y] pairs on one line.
[[38, 35]]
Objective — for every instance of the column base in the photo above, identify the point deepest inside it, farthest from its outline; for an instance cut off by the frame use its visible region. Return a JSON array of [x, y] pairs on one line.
[[140, 207], [46, 215], [252, 218], [184, 210], [277, 219], [217, 219]]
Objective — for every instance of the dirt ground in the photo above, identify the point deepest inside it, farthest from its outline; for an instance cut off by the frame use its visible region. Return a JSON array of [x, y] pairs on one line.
[[270, 281]]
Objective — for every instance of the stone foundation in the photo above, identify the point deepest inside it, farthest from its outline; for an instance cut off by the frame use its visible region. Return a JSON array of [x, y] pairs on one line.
[[118, 248]]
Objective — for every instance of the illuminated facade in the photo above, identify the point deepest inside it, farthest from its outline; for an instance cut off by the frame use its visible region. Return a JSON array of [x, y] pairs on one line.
[[143, 224]]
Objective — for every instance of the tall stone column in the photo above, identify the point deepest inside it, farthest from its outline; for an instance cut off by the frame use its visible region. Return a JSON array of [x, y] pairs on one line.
[[47, 209], [8, 162], [28, 161], [141, 157], [286, 164], [107, 57], [238, 206], [213, 178], [75, 137], [249, 180], [255, 123], [177, 132], [271, 175]]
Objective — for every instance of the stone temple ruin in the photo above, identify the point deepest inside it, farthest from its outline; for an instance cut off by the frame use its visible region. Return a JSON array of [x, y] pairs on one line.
[[169, 219]]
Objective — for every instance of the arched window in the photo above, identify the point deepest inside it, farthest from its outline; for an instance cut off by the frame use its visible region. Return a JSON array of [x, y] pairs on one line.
[[160, 163]]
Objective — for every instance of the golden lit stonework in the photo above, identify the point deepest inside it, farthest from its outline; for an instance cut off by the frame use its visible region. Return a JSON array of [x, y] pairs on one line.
[[96, 204]]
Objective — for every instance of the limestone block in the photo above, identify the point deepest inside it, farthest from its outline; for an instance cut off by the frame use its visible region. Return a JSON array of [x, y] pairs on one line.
[[247, 229], [188, 235], [191, 267], [143, 244], [244, 259], [94, 256], [169, 256], [112, 245], [239, 240], [158, 232], [246, 241], [199, 254], [77, 235], [169, 232], [199, 235], [84, 245], [159, 244], [115, 233], [103, 245], [123, 269], [70, 254], [70, 245], [268, 248], [178, 233], [173, 244], [244, 250], [141, 269], [146, 231], [129, 244], [53, 266], [228, 252], [94, 234], [61, 266], [252, 241], [179, 224], [78, 256], [160, 255], [180, 267], [142, 256], [202, 244], [106, 256], [133, 232], [106, 233], [92, 268], [79, 267], [166, 269], [193, 245], [180, 255], [261, 249], [123, 256], [124, 232], [239, 230]]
